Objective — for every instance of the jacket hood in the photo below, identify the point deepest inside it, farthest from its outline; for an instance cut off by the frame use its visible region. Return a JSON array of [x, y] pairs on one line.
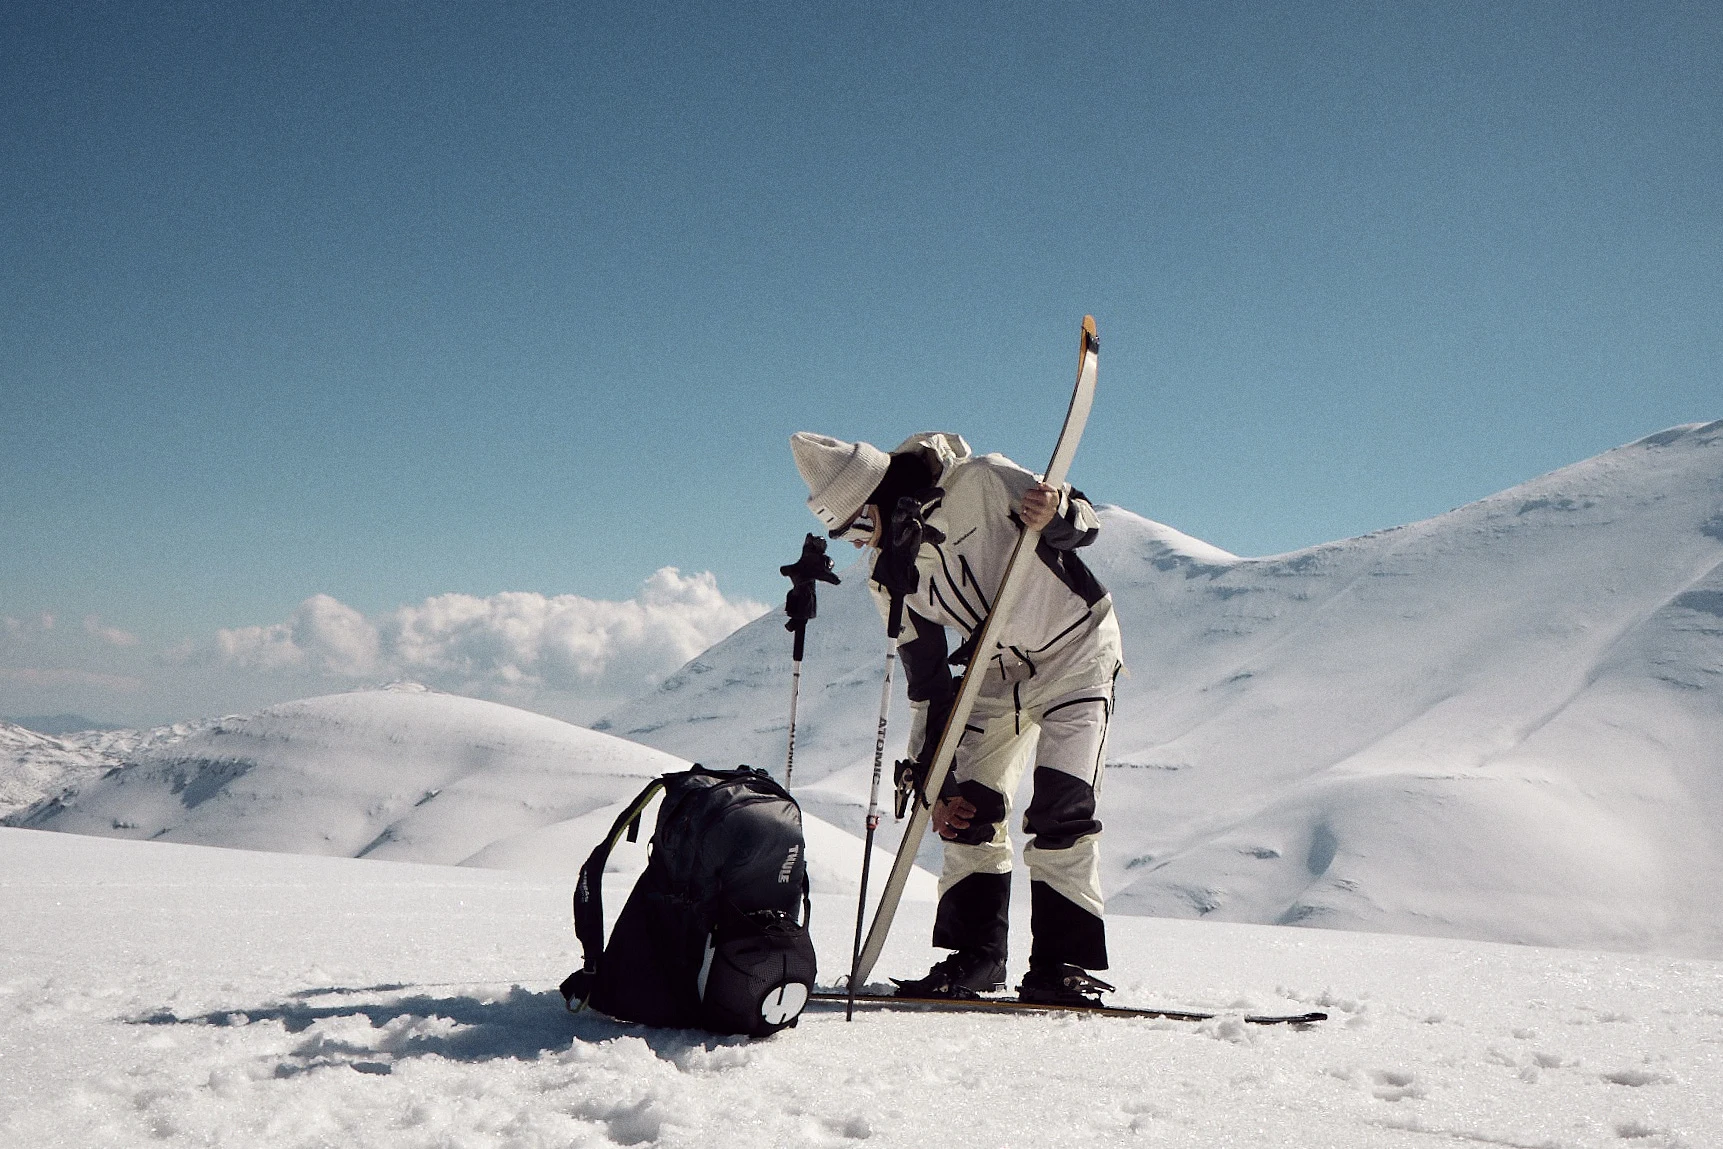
[[941, 449]]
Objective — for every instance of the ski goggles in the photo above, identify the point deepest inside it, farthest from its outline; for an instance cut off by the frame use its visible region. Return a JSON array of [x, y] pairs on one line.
[[860, 530]]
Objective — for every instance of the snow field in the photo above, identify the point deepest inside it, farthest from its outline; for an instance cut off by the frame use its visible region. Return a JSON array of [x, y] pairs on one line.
[[154, 994]]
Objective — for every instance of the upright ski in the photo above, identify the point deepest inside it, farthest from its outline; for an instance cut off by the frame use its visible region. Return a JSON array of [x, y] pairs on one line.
[[1010, 586]]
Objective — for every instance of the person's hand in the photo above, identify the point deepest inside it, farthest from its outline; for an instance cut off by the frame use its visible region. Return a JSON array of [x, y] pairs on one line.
[[952, 815], [1040, 504]]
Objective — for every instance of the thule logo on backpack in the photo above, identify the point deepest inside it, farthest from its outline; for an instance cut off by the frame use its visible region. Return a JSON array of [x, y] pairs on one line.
[[789, 865]]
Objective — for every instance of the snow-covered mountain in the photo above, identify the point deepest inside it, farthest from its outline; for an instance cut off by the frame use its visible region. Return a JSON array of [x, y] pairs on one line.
[[34, 765], [1503, 723], [400, 774]]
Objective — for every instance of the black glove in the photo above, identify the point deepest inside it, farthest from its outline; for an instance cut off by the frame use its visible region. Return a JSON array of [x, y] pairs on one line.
[[814, 565], [909, 776], [905, 531]]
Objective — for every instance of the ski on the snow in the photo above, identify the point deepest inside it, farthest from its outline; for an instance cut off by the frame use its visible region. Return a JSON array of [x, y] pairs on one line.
[[1076, 416], [1012, 1005]]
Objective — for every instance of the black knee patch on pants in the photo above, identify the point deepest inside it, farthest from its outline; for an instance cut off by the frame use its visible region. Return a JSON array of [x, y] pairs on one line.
[[1062, 810], [974, 915], [1064, 931], [989, 813]]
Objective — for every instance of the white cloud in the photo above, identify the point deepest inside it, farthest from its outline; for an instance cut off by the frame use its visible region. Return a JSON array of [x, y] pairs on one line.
[[324, 635], [515, 642], [112, 635], [26, 628]]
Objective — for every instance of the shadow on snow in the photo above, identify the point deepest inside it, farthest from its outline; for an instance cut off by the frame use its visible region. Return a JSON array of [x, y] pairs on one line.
[[519, 1025]]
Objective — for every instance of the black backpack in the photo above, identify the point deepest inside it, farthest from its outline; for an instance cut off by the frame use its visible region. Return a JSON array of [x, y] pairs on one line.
[[714, 935]]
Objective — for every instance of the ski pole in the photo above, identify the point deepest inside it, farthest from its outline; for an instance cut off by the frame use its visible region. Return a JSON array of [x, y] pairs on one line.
[[800, 605], [801, 633], [895, 571], [894, 624]]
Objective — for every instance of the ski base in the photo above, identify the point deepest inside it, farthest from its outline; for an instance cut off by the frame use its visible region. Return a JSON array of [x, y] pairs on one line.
[[1012, 1005]]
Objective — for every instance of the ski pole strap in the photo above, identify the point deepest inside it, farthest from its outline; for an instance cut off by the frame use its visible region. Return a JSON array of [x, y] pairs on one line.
[[589, 889]]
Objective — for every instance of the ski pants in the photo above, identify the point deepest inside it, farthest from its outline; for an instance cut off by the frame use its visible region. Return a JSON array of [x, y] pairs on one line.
[[1061, 720]]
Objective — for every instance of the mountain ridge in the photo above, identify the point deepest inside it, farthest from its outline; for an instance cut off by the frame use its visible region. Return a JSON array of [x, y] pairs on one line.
[[398, 773], [1503, 723], [1503, 678]]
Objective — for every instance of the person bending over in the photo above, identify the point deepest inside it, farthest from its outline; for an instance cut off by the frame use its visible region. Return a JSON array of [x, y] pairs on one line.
[[943, 523]]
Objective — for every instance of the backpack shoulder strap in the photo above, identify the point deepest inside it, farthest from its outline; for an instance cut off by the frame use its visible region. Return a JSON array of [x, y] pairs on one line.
[[589, 897]]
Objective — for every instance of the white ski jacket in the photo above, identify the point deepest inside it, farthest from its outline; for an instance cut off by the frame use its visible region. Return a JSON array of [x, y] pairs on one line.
[[1061, 623]]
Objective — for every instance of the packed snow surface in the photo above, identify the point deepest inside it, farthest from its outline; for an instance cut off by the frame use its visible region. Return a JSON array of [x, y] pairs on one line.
[[163, 995], [1502, 723]]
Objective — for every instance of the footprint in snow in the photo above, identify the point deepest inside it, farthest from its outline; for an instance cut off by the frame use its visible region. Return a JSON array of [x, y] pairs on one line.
[[1396, 1085]]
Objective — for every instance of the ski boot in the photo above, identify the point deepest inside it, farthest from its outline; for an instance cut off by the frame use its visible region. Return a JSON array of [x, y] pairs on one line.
[[965, 974], [1059, 984]]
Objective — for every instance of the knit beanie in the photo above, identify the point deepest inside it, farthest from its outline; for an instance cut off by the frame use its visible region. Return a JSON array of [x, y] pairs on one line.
[[840, 476]]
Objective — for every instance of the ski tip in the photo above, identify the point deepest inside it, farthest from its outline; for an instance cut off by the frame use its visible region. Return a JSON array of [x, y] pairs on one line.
[[1091, 341]]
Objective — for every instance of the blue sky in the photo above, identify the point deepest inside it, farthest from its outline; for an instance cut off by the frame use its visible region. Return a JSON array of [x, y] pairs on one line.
[[382, 302]]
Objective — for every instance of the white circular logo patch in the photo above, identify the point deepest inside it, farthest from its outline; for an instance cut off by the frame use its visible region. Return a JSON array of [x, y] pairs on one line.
[[783, 1004]]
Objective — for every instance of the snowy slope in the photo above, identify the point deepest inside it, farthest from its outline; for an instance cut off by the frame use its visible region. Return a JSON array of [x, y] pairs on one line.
[[1505, 722], [34, 766], [401, 774], [175, 996]]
